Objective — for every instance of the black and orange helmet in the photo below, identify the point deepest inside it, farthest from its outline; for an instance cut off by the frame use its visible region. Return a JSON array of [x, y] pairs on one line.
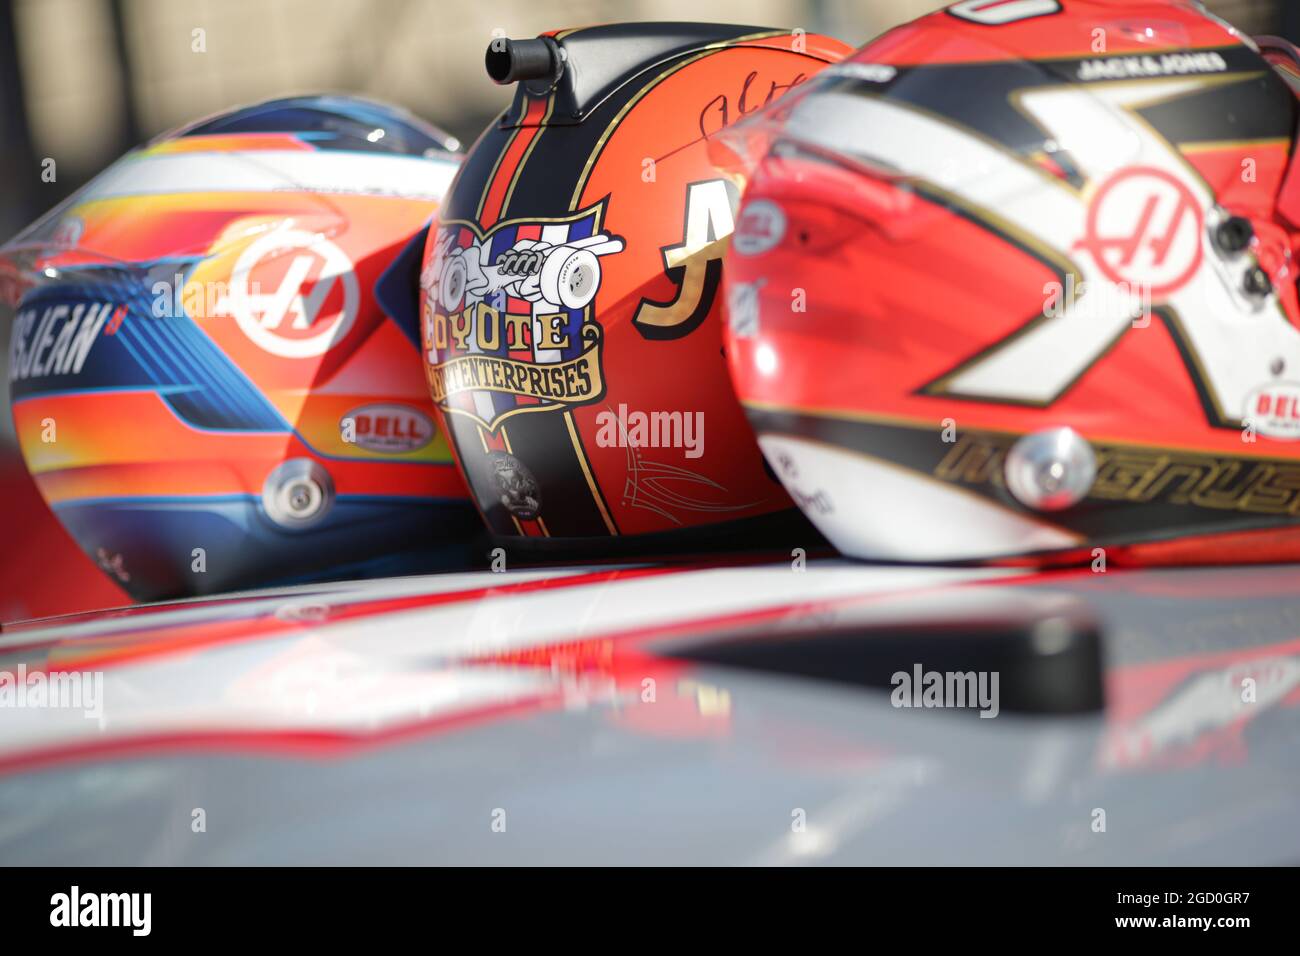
[[572, 286]]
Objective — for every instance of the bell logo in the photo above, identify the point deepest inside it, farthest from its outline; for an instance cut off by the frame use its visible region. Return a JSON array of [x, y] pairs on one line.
[[314, 299], [390, 428], [1274, 410]]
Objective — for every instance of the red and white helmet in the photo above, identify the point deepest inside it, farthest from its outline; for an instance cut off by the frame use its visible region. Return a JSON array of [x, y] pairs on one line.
[[1016, 280]]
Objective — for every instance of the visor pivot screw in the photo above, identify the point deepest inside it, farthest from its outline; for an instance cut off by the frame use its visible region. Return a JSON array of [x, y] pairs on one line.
[[1050, 469], [297, 494], [302, 496], [1257, 282], [1277, 366], [1233, 235]]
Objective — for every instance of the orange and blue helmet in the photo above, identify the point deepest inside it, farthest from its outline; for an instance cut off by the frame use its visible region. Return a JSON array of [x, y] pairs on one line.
[[205, 386]]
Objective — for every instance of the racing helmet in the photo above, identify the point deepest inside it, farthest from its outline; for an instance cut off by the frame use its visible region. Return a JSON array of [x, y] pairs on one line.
[[1017, 281], [571, 288], [204, 386]]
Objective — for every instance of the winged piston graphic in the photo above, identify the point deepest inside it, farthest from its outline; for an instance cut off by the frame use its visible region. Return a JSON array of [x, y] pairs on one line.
[[565, 274]]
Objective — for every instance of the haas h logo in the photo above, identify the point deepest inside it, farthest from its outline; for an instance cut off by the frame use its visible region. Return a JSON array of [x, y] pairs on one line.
[[1144, 228], [294, 293]]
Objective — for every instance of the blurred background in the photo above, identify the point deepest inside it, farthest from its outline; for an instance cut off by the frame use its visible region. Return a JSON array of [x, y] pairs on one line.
[[82, 81]]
